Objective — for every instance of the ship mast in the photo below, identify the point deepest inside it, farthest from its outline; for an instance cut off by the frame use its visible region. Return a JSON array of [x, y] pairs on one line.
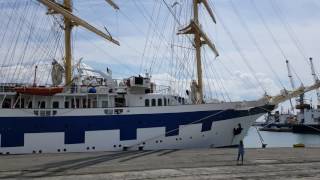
[[70, 20], [200, 38], [197, 44], [67, 38]]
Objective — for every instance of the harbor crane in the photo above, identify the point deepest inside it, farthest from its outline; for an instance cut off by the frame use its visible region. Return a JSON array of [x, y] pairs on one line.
[[291, 82], [316, 79]]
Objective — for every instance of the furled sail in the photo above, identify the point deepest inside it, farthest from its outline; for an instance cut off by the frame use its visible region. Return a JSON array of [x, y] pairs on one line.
[[56, 73]]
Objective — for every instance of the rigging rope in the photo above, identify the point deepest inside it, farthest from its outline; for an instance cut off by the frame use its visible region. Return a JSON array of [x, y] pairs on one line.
[[19, 43], [256, 44], [289, 30], [242, 55], [268, 29], [270, 32]]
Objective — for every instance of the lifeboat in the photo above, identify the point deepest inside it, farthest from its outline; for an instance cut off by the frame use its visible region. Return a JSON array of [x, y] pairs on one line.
[[40, 91]]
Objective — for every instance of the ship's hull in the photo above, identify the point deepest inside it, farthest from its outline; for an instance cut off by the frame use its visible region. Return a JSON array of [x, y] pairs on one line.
[[306, 129], [64, 132]]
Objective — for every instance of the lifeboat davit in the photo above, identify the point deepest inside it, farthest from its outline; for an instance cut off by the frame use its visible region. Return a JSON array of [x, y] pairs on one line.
[[40, 91]]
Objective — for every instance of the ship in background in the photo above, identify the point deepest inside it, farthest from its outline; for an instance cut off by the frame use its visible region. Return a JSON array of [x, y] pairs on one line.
[[98, 113], [308, 116], [302, 118]]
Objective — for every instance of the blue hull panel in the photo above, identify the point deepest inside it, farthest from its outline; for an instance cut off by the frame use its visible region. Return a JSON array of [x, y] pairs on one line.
[[12, 129]]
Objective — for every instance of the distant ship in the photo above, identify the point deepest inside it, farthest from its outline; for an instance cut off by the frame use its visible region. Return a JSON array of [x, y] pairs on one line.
[[308, 116], [308, 121], [99, 113], [278, 122]]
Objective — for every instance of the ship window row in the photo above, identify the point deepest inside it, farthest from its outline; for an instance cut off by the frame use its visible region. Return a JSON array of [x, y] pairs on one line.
[[157, 102], [8, 103]]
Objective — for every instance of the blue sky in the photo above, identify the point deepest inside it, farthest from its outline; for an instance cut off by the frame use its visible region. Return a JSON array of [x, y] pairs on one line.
[[131, 25]]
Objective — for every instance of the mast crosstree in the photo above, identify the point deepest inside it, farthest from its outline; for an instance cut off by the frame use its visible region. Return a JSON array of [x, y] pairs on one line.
[[70, 20], [200, 38]]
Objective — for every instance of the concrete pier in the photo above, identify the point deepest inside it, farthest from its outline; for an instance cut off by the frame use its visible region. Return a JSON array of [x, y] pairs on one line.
[[270, 163]]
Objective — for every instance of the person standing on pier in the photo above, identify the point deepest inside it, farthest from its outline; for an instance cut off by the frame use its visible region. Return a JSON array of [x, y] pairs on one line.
[[240, 152]]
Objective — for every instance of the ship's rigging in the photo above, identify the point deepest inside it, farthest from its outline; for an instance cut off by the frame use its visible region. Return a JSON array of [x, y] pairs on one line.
[[70, 21], [110, 114], [164, 14]]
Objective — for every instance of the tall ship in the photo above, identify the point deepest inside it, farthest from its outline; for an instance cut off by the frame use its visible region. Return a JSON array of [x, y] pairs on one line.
[[98, 113]]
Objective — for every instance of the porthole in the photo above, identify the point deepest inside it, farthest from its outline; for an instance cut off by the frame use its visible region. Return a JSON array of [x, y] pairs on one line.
[[177, 139], [40, 151], [160, 141], [191, 137], [88, 148], [156, 141], [180, 139], [7, 153], [93, 148], [120, 145], [144, 143], [58, 150], [33, 152], [64, 150], [114, 146]]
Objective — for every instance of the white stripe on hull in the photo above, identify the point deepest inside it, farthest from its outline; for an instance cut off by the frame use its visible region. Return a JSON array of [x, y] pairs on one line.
[[190, 136]]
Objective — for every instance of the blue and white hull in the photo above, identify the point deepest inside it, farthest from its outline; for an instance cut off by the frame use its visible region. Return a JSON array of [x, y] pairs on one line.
[[81, 130]]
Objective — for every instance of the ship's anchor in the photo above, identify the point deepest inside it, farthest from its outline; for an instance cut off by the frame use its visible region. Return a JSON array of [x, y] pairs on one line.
[[237, 131]]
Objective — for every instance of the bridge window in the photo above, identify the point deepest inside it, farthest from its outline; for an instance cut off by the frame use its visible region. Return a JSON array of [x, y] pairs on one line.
[[66, 104], [6, 103], [159, 102], [104, 104], [153, 102], [30, 105], [84, 103], [55, 104], [42, 105], [147, 102], [94, 104]]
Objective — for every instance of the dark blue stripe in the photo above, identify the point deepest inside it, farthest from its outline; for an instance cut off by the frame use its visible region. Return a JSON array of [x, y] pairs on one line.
[[12, 129]]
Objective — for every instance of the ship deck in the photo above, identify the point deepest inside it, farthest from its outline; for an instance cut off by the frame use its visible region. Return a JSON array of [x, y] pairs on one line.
[[283, 163]]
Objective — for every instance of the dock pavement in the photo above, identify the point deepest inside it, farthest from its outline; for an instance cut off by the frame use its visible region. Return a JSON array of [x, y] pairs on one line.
[[269, 163]]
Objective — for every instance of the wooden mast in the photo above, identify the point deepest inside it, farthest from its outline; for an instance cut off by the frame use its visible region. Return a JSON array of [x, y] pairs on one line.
[[200, 38], [197, 43], [67, 38], [70, 20]]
